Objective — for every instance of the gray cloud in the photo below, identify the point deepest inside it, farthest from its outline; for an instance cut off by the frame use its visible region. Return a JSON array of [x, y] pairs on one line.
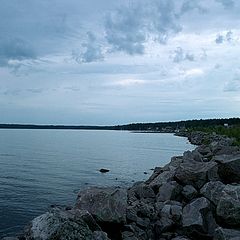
[[92, 50], [227, 3], [221, 38], [189, 5], [128, 28], [233, 85], [15, 49], [124, 31], [180, 56]]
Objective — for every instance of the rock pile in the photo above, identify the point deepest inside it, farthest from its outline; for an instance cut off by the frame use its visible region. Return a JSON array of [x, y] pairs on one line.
[[195, 196]]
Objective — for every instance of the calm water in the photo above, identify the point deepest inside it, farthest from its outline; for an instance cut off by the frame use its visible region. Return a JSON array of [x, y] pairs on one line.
[[44, 167]]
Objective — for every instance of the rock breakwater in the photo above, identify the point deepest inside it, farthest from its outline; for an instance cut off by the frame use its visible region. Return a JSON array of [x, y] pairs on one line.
[[195, 196]]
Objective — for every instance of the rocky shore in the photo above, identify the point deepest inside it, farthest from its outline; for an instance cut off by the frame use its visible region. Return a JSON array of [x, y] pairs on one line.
[[195, 196]]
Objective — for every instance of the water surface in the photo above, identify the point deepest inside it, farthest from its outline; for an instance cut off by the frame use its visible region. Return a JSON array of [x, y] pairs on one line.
[[44, 167]]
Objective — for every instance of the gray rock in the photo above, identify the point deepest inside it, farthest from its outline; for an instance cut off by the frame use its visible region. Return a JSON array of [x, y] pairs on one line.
[[226, 234], [229, 168], [196, 173], [156, 172], [197, 218], [58, 224], [105, 204], [192, 156], [143, 222], [189, 192], [141, 190], [163, 177], [204, 150], [169, 191], [213, 191], [180, 238], [99, 235], [10, 238], [228, 208]]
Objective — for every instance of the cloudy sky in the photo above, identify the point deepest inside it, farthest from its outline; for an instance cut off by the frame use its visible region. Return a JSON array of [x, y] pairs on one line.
[[110, 62]]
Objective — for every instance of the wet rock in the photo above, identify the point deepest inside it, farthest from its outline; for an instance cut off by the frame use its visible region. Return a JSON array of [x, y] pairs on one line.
[[105, 204], [169, 191], [226, 234], [229, 168], [228, 208], [197, 218], [196, 173], [189, 192], [213, 191], [104, 170]]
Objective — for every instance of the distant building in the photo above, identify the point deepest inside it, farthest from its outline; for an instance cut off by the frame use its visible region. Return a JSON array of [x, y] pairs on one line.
[[225, 125]]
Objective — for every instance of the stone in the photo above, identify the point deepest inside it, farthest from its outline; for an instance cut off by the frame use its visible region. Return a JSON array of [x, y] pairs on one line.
[[104, 170], [213, 191], [180, 238], [228, 208], [163, 177], [143, 222], [189, 192], [229, 168], [105, 204], [192, 156], [226, 234], [197, 218], [99, 235], [58, 224], [196, 173], [169, 191], [142, 190]]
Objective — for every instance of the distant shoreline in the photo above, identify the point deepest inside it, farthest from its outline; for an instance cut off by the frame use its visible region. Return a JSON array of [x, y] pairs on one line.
[[167, 127]]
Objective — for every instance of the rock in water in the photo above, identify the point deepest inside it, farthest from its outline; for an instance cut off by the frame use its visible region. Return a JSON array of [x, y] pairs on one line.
[[104, 170], [105, 204]]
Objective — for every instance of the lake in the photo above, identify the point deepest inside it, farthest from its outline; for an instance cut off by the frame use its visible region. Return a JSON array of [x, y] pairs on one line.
[[44, 167]]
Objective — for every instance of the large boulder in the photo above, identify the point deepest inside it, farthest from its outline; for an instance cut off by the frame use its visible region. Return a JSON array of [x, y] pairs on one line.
[[140, 190], [105, 204], [61, 225], [213, 191], [226, 234], [228, 208], [229, 168], [169, 191], [189, 192], [197, 219], [163, 177], [196, 173]]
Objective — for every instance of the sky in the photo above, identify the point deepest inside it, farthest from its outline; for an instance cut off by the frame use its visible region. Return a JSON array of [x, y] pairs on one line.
[[104, 62]]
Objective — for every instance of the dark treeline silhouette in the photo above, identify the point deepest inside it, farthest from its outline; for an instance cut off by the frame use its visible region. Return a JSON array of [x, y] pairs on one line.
[[158, 126], [179, 124]]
